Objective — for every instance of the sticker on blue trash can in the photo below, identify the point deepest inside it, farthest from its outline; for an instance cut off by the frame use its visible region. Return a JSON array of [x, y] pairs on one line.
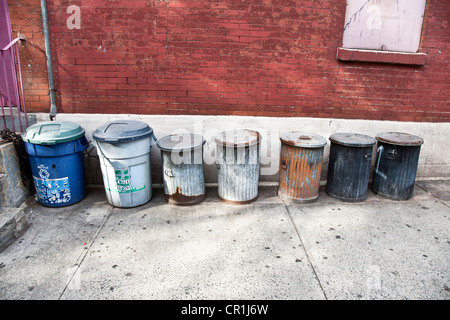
[[51, 191]]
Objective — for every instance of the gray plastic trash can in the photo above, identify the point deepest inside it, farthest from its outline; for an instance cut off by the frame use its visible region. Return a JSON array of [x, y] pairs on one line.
[[124, 151]]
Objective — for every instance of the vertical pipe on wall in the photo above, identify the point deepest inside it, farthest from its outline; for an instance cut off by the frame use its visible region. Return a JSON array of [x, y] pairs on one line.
[[49, 59]]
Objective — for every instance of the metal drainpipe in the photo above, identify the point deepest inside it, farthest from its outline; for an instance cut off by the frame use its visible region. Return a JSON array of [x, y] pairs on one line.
[[48, 54]]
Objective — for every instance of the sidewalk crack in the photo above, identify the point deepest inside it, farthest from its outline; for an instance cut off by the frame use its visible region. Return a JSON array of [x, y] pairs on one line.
[[76, 266], [431, 195], [304, 249]]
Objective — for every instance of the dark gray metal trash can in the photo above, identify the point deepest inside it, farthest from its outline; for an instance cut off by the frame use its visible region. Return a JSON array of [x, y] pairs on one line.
[[182, 166], [396, 165], [238, 162], [349, 166]]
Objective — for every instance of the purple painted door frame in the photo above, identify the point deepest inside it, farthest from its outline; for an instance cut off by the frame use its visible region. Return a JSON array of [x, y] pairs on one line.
[[7, 67], [10, 76]]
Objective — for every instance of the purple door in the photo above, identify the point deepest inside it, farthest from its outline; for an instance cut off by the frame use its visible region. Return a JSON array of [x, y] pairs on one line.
[[8, 75]]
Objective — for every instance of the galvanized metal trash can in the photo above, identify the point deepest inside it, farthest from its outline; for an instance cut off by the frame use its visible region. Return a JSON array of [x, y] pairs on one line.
[[124, 151], [55, 150], [300, 166], [396, 165], [349, 166], [182, 168], [238, 163]]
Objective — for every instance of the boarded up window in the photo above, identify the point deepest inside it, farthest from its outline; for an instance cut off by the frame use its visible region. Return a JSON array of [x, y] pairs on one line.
[[387, 25]]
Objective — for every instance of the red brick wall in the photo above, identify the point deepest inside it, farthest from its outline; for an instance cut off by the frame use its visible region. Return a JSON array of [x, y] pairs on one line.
[[26, 19], [231, 57]]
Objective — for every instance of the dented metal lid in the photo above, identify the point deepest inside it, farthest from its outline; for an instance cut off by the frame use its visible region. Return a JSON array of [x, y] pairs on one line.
[[399, 138], [352, 139], [238, 138], [181, 142], [303, 139]]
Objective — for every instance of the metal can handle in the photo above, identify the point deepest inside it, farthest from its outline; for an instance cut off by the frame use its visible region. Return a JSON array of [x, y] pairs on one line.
[[169, 173], [153, 142], [392, 154], [283, 164]]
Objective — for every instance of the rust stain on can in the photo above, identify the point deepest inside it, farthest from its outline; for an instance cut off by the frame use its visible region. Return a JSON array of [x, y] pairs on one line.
[[300, 169], [178, 198], [182, 166]]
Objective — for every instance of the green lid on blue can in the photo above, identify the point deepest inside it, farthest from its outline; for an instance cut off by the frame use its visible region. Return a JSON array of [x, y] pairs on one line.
[[52, 132]]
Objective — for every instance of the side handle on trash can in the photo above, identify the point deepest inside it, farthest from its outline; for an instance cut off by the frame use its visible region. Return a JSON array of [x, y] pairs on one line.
[[391, 154], [83, 143], [283, 164], [153, 142], [169, 173]]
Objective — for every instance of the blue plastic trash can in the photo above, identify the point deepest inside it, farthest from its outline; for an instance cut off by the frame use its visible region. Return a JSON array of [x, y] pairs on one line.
[[55, 151]]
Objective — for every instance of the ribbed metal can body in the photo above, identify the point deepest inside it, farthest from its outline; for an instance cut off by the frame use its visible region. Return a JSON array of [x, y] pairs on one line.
[[238, 162], [300, 170], [349, 166], [183, 177], [182, 166], [238, 173], [395, 171], [396, 166], [348, 172]]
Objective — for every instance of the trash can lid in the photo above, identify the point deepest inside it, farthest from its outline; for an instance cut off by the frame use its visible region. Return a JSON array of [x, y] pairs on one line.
[[352, 139], [181, 142], [238, 138], [52, 132], [303, 139], [122, 131], [399, 138]]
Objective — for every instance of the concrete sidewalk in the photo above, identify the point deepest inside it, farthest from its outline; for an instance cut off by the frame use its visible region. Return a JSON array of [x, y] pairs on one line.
[[376, 249]]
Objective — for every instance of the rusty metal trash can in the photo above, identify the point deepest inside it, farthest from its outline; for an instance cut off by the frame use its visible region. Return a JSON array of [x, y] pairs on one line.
[[396, 165], [349, 166], [238, 163], [182, 168], [300, 166]]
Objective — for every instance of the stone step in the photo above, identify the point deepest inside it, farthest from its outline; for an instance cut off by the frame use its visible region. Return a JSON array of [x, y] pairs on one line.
[[13, 193], [13, 224]]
